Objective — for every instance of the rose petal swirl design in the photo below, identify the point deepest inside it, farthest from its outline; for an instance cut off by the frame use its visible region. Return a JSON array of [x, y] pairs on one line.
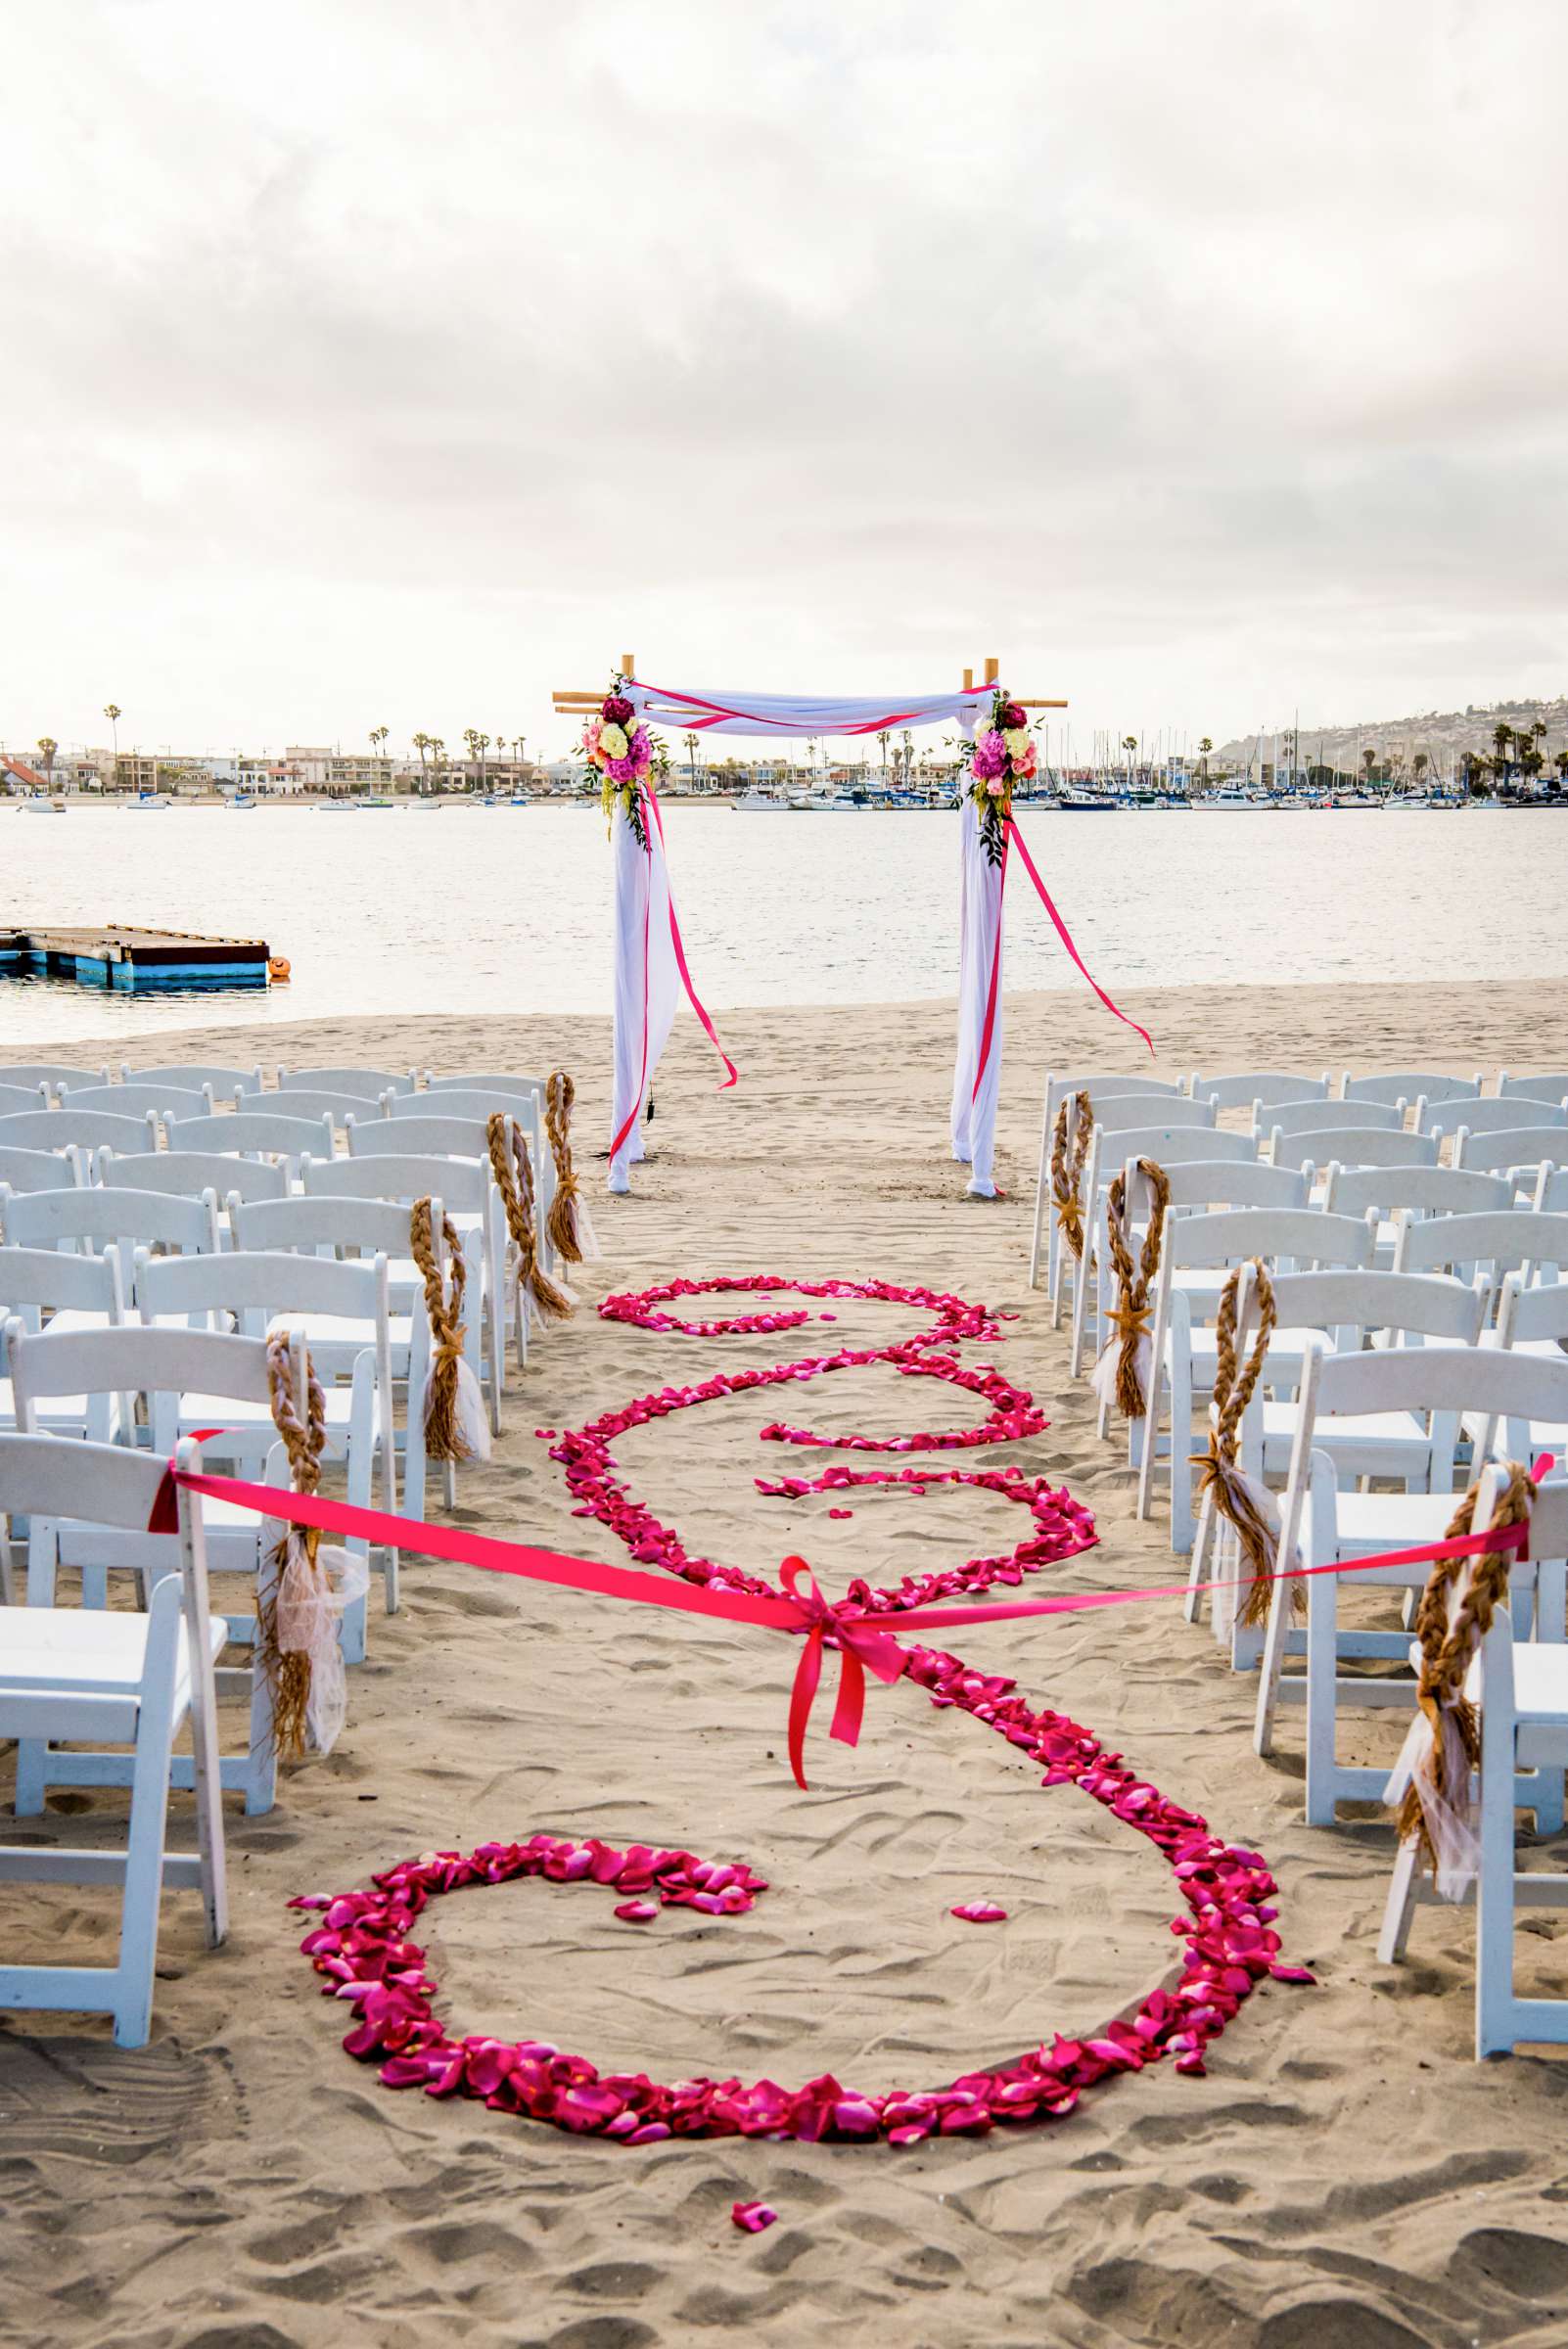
[[362, 1946]]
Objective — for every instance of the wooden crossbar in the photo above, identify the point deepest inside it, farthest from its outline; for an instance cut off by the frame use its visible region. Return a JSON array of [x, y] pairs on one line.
[[569, 698]]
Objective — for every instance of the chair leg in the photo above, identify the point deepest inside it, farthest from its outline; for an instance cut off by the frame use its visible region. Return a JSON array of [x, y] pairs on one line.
[[144, 1872], [1323, 1690], [1493, 1930], [1400, 1906]]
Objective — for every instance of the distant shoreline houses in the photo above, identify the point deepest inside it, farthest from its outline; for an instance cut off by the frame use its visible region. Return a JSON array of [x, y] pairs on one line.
[[304, 771]]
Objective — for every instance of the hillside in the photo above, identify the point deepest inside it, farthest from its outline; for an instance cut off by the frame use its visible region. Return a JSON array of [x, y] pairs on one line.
[[1445, 735]]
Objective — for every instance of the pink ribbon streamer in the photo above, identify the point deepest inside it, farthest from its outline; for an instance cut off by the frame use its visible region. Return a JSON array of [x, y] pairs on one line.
[[860, 1639], [1066, 936], [993, 989], [685, 978]]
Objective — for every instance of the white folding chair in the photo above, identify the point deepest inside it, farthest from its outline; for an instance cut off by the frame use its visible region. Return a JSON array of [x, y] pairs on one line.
[[1489, 1116], [1111, 1148], [87, 1222], [40, 1171], [1248, 1088], [1198, 1254], [77, 1128], [142, 1099], [21, 1101], [1057, 1089], [321, 1102], [1423, 1190], [343, 1314], [1331, 1526], [161, 1367], [114, 1679], [1533, 1089], [1520, 1689], [524, 1104], [370, 1083], [257, 1134], [1352, 1146], [1203, 1187], [1482, 1246], [431, 1165], [1411, 1085], [51, 1074], [187, 1173], [224, 1082], [359, 1230], [1317, 1117], [1519, 1152], [73, 1293]]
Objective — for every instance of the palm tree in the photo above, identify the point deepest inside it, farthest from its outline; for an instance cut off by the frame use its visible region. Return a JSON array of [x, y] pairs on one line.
[[421, 742], [378, 735], [1368, 762], [1420, 762], [1205, 746], [1502, 736], [1130, 742], [477, 745], [112, 712], [884, 738], [691, 758], [438, 752], [47, 747]]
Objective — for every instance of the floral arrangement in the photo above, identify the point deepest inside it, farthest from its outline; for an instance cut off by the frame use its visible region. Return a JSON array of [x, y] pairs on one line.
[[1002, 756], [624, 751]]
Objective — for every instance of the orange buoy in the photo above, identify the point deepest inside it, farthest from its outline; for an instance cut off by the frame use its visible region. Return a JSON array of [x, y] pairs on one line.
[[278, 970]]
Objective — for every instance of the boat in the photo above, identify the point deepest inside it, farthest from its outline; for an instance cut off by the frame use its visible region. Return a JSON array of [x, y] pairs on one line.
[[1087, 803], [1410, 798], [757, 798], [519, 799], [148, 798], [36, 804], [1230, 795], [1357, 798], [240, 800]]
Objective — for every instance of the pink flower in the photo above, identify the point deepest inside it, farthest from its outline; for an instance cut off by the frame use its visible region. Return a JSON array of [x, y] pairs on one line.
[[618, 710], [995, 789], [590, 737], [990, 754]]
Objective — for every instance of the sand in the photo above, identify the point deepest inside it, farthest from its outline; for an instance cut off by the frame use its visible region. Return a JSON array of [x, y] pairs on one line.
[[1344, 2177]]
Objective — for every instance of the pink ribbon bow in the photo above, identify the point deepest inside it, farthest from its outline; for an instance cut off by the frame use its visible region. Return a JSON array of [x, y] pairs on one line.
[[861, 1646]]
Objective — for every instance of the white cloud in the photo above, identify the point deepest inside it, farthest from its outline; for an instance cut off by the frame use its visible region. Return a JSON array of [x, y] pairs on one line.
[[381, 362]]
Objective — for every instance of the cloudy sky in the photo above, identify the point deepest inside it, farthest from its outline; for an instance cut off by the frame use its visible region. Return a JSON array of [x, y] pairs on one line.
[[369, 362]]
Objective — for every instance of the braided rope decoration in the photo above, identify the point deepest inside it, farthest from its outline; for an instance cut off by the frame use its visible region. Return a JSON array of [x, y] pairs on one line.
[[1450, 1625], [1234, 1496], [444, 1437], [1128, 1318], [1066, 1171], [287, 1670], [562, 1221], [512, 1168]]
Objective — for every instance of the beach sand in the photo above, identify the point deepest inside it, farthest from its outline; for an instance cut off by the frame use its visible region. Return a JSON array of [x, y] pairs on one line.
[[1344, 2178]]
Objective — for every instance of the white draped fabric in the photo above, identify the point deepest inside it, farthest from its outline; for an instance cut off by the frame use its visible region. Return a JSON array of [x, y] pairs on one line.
[[803, 714], [977, 1082], [647, 985]]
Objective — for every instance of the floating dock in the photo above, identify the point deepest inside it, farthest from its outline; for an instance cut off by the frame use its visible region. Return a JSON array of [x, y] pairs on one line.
[[131, 961]]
